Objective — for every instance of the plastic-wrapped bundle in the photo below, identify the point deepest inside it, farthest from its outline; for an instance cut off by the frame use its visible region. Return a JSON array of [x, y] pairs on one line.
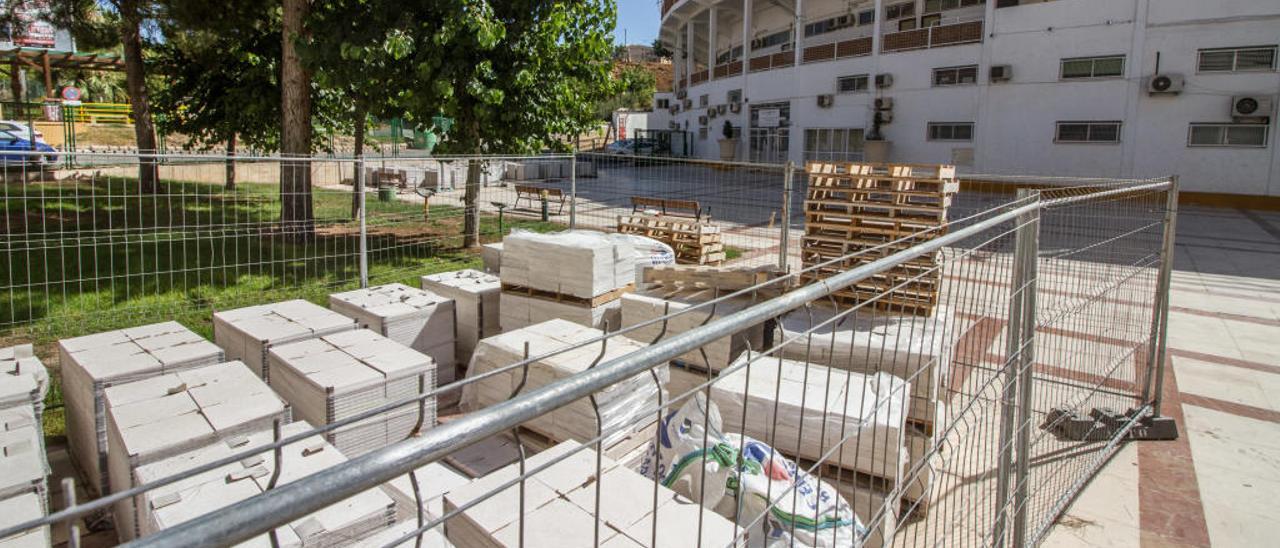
[[621, 405], [741, 476], [577, 263]]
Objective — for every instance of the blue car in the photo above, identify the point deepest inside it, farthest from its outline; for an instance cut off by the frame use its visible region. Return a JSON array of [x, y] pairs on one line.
[[17, 150]]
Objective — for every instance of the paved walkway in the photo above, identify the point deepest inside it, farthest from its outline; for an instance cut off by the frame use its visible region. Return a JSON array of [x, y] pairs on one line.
[[1219, 483]]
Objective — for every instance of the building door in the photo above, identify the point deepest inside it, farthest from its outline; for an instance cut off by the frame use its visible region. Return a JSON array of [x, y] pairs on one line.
[[770, 132]]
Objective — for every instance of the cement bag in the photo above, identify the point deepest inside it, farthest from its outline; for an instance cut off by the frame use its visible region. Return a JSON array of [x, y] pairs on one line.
[[647, 252], [744, 489]]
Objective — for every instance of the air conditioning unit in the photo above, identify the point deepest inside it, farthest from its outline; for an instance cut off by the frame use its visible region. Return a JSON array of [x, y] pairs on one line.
[[711, 112], [735, 107], [682, 94], [1001, 73], [688, 104], [1251, 106], [702, 120], [884, 80], [886, 116], [673, 125], [1170, 84], [722, 109], [884, 103], [826, 100], [674, 109]]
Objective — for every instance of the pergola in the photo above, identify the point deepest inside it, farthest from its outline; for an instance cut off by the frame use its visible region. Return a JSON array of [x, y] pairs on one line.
[[45, 60]]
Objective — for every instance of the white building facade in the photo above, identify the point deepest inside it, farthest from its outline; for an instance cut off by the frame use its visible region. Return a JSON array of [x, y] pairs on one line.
[[1105, 88]]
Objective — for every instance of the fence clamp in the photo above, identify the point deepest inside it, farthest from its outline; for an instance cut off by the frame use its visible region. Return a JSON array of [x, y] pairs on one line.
[[1103, 424]]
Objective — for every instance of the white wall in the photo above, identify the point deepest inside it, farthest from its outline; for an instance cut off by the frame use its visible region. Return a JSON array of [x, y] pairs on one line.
[[1015, 121]]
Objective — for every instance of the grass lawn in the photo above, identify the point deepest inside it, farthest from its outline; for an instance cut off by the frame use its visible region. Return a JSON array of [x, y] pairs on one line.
[[86, 257]]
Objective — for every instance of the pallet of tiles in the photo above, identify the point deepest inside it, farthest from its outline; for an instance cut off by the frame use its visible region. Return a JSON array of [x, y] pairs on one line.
[[247, 334], [575, 263], [336, 376], [876, 210], [476, 301], [620, 405], [805, 410], [20, 509], [694, 242], [23, 466], [340, 524], [151, 419], [560, 508], [416, 318], [92, 363], [639, 308]]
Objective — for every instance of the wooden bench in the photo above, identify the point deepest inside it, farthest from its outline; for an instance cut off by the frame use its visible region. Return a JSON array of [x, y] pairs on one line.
[[534, 194], [670, 207]]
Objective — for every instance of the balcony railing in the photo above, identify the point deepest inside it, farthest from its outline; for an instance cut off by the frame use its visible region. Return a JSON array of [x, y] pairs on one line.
[[856, 47], [698, 77], [772, 61], [732, 68], [933, 37], [666, 6]]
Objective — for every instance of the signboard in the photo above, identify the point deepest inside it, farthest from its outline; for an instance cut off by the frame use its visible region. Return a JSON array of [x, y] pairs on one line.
[[71, 93], [33, 31], [769, 117], [621, 124]]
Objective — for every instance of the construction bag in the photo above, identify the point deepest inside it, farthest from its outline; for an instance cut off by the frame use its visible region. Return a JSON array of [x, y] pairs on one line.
[[742, 476]]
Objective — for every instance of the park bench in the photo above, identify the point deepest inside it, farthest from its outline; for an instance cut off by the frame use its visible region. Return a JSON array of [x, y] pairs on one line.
[[670, 207], [534, 194]]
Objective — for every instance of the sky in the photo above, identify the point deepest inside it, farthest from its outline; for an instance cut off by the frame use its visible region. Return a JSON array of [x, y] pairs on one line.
[[640, 20]]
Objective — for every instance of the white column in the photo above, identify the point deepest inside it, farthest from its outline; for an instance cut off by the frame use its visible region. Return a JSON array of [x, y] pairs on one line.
[[690, 64], [712, 16], [744, 124], [798, 32]]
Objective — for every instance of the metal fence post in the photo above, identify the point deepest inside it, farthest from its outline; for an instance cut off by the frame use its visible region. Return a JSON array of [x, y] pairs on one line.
[[1160, 316], [1018, 369], [785, 237], [362, 212], [573, 189]]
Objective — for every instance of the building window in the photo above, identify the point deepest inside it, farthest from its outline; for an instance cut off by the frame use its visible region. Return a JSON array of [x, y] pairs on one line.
[[702, 132], [900, 10], [1088, 132], [1227, 135], [830, 24], [1238, 59], [907, 24], [781, 37], [733, 96], [867, 17], [934, 20], [955, 76], [662, 103], [729, 55], [703, 100], [833, 144], [852, 84], [1093, 67], [950, 131], [935, 6]]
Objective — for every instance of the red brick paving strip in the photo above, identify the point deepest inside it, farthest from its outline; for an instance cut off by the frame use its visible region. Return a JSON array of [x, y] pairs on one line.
[[1170, 510]]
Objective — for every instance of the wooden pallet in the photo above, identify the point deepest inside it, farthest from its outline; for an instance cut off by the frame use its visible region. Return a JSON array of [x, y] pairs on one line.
[[598, 300], [693, 241], [709, 277]]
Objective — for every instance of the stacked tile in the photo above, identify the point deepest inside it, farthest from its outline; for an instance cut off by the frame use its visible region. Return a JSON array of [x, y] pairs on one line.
[[434, 481], [416, 318], [639, 308], [92, 363], [577, 275], [19, 369], [475, 300], [247, 334], [340, 524], [491, 256], [336, 376], [910, 347], [152, 419], [623, 406], [875, 210], [23, 467], [20, 509], [805, 410], [560, 504]]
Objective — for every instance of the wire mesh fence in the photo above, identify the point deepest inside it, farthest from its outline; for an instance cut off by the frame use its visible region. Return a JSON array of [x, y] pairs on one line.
[[779, 413]]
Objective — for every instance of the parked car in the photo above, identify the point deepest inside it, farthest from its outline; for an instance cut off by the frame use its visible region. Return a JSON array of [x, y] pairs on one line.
[[11, 145], [621, 146], [18, 127]]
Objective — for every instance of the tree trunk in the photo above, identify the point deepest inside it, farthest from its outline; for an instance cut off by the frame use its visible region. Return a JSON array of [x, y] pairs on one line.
[[231, 163], [471, 219], [296, 215], [136, 83], [18, 85], [356, 187]]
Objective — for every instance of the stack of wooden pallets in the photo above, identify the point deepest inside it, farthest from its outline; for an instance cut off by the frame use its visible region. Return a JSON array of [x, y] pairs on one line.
[[694, 242], [878, 209]]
